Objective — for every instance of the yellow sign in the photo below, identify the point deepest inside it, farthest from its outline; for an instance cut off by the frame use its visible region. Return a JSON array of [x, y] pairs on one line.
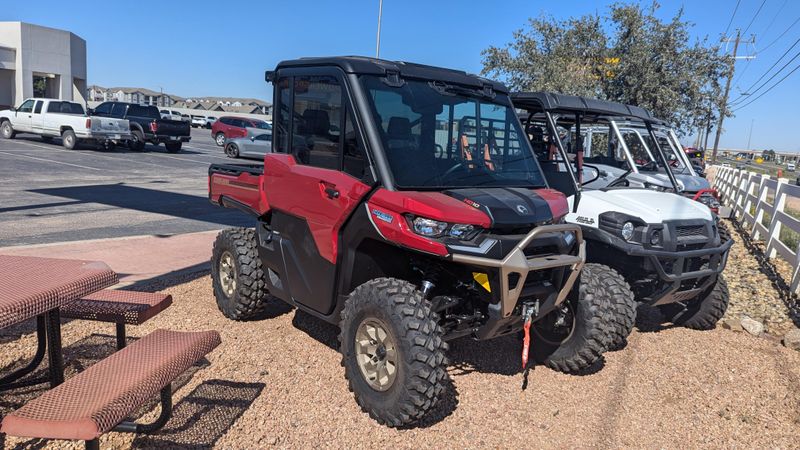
[[759, 160]]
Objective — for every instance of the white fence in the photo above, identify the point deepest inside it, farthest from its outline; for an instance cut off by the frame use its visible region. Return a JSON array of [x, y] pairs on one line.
[[760, 203]]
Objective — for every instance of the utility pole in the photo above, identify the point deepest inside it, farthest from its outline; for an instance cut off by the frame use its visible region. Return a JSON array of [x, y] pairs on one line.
[[750, 134], [378, 43], [724, 110]]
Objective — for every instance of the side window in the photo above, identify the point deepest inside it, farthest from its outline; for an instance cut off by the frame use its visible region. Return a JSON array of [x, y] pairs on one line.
[[264, 137], [284, 100], [225, 120], [54, 107], [26, 106], [355, 159], [103, 109], [317, 114], [38, 108]]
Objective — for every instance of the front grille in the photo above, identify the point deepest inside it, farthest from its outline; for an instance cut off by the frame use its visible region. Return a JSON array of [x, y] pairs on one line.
[[690, 231]]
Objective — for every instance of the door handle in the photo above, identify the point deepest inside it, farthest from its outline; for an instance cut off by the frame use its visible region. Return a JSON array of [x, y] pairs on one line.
[[331, 192]]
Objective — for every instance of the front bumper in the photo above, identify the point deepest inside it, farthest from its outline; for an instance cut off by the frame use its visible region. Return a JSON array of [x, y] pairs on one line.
[[669, 264], [517, 265]]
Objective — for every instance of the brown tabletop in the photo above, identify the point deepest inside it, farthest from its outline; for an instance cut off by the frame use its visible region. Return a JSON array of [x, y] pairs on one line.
[[30, 286]]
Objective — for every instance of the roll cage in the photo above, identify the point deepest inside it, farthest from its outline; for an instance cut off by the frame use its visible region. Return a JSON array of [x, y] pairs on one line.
[[573, 112]]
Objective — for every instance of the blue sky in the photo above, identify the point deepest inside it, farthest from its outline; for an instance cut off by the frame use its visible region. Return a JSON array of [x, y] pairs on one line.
[[195, 48]]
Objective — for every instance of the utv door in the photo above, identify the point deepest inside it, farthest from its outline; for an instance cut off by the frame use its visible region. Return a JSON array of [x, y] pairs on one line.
[[310, 195]]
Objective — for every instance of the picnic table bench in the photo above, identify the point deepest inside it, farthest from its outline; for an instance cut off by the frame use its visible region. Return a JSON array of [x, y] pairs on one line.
[[98, 399]]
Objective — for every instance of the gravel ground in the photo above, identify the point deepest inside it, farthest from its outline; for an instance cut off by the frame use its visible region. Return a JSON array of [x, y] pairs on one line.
[[278, 382], [752, 292]]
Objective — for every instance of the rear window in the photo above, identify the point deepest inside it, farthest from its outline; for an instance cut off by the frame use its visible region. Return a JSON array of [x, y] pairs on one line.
[[150, 112], [65, 108]]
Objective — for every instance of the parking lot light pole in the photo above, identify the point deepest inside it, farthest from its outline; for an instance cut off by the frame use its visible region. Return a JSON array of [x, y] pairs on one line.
[[378, 39]]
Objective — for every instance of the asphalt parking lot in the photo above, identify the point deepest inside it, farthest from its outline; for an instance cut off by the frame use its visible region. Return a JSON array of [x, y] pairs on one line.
[[50, 194]]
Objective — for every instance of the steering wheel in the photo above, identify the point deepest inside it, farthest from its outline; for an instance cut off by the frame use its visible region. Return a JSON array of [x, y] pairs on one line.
[[621, 180], [451, 170]]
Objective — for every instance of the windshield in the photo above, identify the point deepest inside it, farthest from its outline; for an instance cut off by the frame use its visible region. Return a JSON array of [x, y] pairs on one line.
[[441, 136]]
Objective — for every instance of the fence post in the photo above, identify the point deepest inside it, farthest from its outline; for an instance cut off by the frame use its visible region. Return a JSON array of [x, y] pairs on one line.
[[774, 224]]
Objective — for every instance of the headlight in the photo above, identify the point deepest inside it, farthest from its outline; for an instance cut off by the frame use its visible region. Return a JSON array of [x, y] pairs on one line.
[[429, 227], [438, 229], [460, 231], [627, 231], [655, 238], [709, 201], [654, 187]]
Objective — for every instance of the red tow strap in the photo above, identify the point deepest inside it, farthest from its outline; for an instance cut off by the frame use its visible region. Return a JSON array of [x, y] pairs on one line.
[[526, 341]]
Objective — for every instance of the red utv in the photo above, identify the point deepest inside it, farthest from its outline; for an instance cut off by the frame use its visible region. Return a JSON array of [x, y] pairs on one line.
[[403, 203]]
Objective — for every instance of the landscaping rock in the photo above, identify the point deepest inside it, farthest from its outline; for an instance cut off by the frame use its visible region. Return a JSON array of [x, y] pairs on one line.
[[792, 339], [752, 326], [732, 324]]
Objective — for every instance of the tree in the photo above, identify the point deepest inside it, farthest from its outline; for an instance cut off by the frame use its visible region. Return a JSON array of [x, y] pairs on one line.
[[627, 55], [768, 155]]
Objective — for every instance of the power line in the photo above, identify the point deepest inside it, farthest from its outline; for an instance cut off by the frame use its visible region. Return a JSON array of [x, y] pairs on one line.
[[770, 88], [782, 34], [748, 90], [732, 16], [754, 17], [775, 17]]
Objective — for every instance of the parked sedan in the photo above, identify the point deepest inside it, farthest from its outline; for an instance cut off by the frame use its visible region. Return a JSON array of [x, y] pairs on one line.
[[256, 144], [228, 127]]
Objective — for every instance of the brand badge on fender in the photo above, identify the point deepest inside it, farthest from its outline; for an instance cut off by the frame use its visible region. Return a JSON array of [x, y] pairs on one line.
[[380, 215], [472, 203]]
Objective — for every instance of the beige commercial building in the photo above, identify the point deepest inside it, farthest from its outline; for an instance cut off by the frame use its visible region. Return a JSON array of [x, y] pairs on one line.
[[37, 61]]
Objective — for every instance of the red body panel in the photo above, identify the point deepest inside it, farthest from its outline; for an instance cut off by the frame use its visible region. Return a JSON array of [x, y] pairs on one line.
[[300, 190], [433, 205], [244, 188], [557, 202]]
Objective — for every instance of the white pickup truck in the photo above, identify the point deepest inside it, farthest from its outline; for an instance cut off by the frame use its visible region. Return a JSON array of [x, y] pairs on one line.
[[51, 118]]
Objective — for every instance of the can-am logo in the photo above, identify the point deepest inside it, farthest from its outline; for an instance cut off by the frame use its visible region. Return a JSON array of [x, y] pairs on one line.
[[522, 209]]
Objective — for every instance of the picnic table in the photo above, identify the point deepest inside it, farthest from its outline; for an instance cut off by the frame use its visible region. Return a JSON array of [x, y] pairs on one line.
[[98, 399], [38, 287]]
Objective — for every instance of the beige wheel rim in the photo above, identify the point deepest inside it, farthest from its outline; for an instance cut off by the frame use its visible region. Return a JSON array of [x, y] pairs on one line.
[[227, 274], [376, 354]]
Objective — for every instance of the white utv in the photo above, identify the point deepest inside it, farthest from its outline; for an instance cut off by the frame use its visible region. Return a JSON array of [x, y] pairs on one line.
[[666, 246]]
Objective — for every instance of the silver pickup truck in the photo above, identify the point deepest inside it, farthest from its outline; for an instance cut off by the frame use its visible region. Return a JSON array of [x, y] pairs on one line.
[[51, 118]]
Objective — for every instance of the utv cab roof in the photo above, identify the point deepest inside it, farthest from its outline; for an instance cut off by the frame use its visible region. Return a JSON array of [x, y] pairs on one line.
[[561, 103], [372, 66]]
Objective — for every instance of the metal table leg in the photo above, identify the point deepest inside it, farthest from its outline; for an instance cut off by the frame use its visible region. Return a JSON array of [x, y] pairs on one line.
[[11, 381], [54, 351]]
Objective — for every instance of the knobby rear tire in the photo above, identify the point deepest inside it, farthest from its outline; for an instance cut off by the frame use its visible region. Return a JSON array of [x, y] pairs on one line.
[[251, 295]]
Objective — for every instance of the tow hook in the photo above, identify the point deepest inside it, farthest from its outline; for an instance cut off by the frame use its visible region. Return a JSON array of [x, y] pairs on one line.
[[528, 311]]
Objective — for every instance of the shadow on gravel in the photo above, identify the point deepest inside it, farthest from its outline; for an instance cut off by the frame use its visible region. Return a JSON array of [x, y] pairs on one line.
[[499, 356], [650, 320], [203, 416]]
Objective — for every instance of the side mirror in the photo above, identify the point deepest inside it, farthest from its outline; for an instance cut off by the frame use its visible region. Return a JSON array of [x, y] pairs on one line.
[[89, 111], [590, 174]]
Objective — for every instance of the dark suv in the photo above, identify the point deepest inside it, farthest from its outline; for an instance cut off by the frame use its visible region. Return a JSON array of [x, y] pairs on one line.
[[404, 203], [228, 127]]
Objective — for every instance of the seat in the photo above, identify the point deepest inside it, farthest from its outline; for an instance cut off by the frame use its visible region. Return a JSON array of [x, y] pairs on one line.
[[118, 307], [98, 399]]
